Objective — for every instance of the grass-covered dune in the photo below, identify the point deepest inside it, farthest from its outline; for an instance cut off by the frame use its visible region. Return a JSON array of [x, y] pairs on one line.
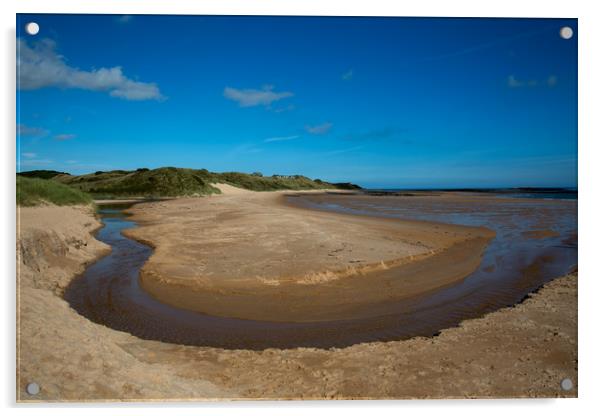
[[42, 174], [258, 182], [162, 182], [172, 182], [35, 191]]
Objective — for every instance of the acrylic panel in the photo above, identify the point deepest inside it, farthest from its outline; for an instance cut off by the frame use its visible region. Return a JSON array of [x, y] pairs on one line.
[[295, 207]]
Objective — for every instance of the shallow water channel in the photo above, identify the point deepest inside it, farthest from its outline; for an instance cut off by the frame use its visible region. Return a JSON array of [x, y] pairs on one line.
[[514, 264]]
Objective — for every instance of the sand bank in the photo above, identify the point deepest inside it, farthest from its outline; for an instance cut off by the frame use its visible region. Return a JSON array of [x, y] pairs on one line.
[[70, 357], [248, 255], [522, 351]]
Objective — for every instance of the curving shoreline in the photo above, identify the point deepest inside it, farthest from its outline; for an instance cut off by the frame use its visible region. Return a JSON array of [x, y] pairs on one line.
[[292, 265], [520, 351]]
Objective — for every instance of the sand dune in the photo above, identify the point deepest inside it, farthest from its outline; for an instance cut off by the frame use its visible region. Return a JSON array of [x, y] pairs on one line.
[[229, 189]]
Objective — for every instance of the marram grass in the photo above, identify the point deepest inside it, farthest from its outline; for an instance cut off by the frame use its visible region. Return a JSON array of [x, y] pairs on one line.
[[35, 191]]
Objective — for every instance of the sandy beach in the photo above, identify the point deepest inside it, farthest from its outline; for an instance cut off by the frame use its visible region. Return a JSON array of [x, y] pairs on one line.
[[248, 255], [521, 351], [328, 204]]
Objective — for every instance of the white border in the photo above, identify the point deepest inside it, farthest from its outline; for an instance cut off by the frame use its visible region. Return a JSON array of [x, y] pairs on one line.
[[466, 8], [590, 135]]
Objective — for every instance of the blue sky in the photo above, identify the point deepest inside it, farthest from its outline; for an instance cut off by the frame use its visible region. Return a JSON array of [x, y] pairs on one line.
[[382, 102]]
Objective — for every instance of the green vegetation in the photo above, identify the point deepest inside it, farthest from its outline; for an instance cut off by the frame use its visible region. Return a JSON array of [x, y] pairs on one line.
[[42, 174], [255, 182], [173, 182], [347, 186], [34, 191], [163, 182]]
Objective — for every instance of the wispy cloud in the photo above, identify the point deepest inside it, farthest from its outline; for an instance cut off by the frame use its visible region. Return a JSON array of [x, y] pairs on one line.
[[35, 162], [319, 129], [347, 76], [74, 165], [251, 97], [24, 130], [280, 139], [245, 148], [28, 155], [63, 137], [375, 134], [289, 107], [488, 45], [514, 82], [40, 66], [125, 18]]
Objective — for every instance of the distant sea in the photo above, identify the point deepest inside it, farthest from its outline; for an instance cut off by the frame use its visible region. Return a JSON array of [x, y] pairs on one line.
[[541, 193]]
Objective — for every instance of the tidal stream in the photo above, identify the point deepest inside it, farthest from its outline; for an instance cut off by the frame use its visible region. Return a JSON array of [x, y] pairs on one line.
[[514, 264]]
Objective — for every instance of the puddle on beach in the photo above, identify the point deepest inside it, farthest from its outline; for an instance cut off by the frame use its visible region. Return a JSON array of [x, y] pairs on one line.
[[513, 265]]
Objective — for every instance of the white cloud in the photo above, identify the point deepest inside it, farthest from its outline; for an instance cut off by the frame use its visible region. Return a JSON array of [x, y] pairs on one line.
[[28, 155], [24, 130], [280, 139], [319, 129], [63, 137], [250, 97], [347, 76], [40, 66]]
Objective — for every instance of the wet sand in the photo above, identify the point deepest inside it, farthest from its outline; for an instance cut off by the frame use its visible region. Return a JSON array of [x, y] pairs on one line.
[[521, 351], [109, 293], [357, 306], [251, 256]]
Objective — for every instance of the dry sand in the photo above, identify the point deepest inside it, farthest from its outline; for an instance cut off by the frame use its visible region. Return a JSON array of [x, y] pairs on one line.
[[524, 351], [248, 255], [70, 357]]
